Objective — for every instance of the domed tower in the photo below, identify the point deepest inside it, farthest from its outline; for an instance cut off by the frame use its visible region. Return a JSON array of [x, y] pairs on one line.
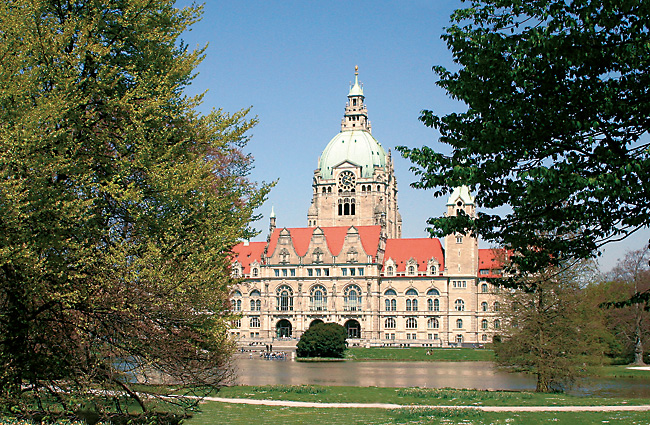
[[354, 184]]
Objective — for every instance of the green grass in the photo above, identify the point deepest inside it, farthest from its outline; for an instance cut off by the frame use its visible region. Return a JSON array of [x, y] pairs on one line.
[[416, 396], [420, 354], [223, 413], [618, 371]]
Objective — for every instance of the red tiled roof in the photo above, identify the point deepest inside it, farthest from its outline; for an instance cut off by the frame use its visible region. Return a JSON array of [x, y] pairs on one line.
[[246, 254], [491, 258], [335, 237], [421, 249]]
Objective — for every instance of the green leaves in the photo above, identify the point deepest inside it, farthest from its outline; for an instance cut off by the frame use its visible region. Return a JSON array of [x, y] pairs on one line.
[[119, 205], [556, 126]]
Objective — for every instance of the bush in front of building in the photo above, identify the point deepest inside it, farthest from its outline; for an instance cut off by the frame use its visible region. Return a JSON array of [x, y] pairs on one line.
[[322, 340]]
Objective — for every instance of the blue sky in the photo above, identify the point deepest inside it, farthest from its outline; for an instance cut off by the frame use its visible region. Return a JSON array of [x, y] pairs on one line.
[[293, 62]]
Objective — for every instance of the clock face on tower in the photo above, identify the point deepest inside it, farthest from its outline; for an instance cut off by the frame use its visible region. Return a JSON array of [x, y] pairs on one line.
[[346, 180]]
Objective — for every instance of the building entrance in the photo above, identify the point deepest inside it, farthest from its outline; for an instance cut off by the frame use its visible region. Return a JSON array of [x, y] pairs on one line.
[[283, 329], [353, 328]]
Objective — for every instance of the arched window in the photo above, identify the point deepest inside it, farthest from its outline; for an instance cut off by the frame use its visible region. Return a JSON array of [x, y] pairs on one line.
[[389, 323], [459, 323], [433, 270], [389, 271], [411, 303], [433, 323], [347, 206], [484, 288], [484, 338], [391, 302], [459, 305], [496, 306], [255, 272], [318, 298], [284, 298], [236, 301], [352, 298], [411, 270], [484, 324], [497, 324], [255, 322], [411, 323], [433, 292]]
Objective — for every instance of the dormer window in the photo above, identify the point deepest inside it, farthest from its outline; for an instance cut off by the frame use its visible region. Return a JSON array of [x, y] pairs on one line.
[[459, 239]]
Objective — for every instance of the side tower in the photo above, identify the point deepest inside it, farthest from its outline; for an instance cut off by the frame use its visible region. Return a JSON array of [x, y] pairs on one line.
[[354, 184], [461, 251]]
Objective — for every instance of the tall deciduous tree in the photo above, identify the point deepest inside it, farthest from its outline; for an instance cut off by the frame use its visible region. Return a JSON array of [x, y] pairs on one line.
[[549, 328], [555, 128], [627, 314], [119, 204]]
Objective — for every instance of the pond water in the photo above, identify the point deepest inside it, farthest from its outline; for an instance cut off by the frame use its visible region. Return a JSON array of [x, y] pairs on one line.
[[476, 375]]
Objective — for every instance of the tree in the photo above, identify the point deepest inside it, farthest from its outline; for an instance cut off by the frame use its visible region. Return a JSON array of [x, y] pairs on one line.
[[119, 206], [627, 312], [322, 340], [555, 128], [549, 327]]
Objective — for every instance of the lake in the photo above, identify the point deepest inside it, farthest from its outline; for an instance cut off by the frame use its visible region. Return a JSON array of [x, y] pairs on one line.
[[474, 375]]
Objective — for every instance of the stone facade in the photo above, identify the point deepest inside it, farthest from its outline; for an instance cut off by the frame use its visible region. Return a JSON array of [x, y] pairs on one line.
[[351, 266]]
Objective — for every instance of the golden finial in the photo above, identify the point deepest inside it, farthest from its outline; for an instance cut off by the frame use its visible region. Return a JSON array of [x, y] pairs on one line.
[[356, 69]]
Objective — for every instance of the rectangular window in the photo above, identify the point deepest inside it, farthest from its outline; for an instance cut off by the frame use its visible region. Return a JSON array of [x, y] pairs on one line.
[[484, 271], [387, 336], [429, 336], [352, 272], [408, 336], [277, 272], [293, 272], [310, 272], [435, 336], [392, 336], [344, 271], [326, 272], [360, 272]]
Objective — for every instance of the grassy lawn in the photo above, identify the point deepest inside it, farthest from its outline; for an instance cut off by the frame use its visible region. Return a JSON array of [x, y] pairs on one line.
[[222, 413], [618, 371], [415, 396], [420, 354]]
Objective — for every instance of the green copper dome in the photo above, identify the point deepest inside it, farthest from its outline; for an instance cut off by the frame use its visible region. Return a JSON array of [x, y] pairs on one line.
[[357, 147]]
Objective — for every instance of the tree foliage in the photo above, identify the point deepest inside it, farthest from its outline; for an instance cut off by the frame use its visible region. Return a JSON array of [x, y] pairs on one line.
[[322, 340], [119, 205], [549, 328], [556, 126], [626, 310]]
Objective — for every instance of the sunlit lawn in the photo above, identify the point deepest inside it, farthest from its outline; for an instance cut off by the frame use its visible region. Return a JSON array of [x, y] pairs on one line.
[[222, 413], [420, 354], [416, 396]]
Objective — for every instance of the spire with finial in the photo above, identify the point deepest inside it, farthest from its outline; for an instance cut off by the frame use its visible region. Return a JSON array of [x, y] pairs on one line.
[[272, 221], [356, 114]]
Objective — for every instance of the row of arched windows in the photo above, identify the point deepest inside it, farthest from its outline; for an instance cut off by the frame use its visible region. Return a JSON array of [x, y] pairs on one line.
[[434, 323]]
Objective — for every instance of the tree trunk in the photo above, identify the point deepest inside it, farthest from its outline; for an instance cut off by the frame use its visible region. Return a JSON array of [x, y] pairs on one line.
[[542, 383], [638, 344]]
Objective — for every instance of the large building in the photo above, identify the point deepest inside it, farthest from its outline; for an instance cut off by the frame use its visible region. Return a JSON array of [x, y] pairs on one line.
[[351, 266]]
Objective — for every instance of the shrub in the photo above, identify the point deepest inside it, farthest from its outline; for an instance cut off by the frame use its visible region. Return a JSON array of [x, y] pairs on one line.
[[322, 340]]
